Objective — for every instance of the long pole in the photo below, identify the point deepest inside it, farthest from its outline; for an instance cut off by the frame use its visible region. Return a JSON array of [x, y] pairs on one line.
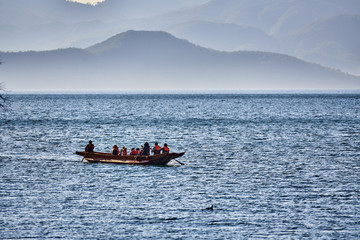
[[179, 162], [83, 157]]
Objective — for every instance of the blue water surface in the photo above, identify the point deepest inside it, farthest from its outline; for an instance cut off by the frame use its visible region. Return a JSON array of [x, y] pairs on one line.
[[272, 165]]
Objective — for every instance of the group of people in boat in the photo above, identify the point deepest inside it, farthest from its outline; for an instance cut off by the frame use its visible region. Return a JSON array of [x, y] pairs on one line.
[[143, 151]]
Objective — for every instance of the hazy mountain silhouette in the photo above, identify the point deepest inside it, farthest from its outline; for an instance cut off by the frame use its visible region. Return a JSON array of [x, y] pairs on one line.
[[47, 24], [280, 19], [222, 25], [336, 29], [333, 41], [275, 17], [158, 60], [225, 36]]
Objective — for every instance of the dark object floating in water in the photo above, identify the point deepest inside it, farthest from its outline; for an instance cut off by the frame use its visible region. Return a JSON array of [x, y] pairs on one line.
[[210, 208], [158, 159]]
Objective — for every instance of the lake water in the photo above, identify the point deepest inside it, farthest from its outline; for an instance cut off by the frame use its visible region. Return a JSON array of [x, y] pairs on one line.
[[272, 165]]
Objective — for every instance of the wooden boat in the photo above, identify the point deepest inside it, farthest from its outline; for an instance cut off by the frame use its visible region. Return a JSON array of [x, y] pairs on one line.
[[158, 159]]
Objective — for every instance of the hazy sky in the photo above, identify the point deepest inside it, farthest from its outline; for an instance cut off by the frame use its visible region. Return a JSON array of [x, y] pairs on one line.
[[87, 1]]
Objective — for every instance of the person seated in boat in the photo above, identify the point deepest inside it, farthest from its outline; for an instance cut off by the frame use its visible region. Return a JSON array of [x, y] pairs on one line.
[[165, 149], [89, 147], [138, 151], [115, 150], [156, 149], [133, 152], [146, 150], [123, 151]]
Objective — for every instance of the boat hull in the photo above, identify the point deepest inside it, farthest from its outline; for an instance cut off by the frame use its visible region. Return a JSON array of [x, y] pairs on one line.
[[158, 159]]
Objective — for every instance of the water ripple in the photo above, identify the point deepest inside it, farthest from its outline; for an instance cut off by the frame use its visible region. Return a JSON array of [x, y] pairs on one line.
[[273, 166]]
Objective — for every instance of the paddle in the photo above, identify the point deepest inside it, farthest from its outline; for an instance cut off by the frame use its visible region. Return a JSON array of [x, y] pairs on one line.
[[179, 162], [83, 157]]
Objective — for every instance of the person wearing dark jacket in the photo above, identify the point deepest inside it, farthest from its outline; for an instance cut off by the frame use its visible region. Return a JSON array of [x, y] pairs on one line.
[[115, 150], [146, 150], [90, 147]]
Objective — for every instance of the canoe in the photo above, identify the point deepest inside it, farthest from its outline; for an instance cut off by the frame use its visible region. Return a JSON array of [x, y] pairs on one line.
[[158, 159]]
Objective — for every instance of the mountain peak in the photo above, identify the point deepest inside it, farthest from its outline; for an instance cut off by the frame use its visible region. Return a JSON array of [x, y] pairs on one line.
[[137, 41]]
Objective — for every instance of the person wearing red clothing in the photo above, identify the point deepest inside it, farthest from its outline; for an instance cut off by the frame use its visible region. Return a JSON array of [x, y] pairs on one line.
[[133, 152], [165, 149], [156, 148]]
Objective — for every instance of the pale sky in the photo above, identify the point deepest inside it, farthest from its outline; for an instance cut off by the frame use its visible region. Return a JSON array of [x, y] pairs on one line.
[[93, 2]]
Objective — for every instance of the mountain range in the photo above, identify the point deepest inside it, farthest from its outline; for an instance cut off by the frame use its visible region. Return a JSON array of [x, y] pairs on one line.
[[332, 41], [156, 60], [320, 31], [218, 38]]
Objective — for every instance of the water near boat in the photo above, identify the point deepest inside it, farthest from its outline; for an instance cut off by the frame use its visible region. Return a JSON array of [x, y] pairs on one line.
[[272, 165]]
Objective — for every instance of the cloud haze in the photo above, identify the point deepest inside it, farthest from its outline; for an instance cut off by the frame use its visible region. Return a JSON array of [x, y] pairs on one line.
[[91, 2]]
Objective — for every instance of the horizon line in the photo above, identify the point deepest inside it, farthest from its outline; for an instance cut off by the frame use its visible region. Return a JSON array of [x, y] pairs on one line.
[[180, 92]]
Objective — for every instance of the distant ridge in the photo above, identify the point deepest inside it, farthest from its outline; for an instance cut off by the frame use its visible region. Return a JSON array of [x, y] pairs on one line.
[[296, 28], [225, 36], [157, 60], [331, 41], [139, 40]]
